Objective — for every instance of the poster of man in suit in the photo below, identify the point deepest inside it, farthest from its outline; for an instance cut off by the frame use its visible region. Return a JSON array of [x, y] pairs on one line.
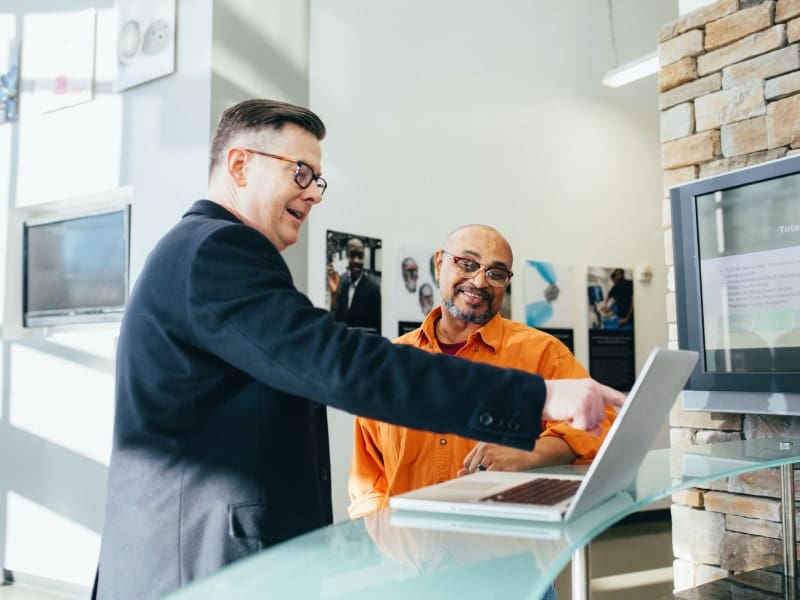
[[354, 279]]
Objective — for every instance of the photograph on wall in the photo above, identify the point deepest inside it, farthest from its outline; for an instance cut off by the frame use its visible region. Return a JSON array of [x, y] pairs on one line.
[[611, 326], [59, 57], [353, 283], [9, 83], [549, 299], [145, 41], [416, 285]]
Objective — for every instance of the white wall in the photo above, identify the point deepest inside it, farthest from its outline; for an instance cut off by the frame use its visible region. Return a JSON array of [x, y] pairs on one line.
[[459, 111], [261, 51]]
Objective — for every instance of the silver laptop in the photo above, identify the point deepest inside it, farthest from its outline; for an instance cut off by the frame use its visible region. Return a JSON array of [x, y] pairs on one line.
[[539, 530], [509, 495]]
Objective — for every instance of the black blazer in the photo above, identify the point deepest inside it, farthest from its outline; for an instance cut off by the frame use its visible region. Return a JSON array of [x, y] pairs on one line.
[[220, 438], [365, 309]]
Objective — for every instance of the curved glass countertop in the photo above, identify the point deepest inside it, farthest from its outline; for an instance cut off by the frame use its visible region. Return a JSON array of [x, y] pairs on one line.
[[394, 554]]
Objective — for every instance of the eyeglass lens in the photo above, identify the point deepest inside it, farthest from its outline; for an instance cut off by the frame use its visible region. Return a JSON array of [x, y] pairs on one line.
[[304, 175], [495, 277]]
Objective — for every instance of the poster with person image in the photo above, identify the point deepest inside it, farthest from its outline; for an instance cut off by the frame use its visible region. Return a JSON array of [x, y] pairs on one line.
[[549, 298], [353, 279], [611, 326], [417, 287]]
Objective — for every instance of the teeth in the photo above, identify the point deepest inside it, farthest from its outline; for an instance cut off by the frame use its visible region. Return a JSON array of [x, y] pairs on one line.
[[295, 213]]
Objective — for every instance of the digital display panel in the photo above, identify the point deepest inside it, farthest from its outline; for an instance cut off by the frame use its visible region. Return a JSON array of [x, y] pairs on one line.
[[749, 242], [76, 269]]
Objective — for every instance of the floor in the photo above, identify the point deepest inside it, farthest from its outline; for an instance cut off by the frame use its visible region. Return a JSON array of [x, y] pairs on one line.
[[630, 561], [21, 592]]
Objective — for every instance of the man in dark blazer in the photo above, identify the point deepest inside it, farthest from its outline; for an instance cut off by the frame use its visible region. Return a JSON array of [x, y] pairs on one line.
[[357, 297], [223, 370]]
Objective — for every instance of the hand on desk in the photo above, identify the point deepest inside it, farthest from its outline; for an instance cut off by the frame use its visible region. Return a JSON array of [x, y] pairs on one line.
[[491, 457]]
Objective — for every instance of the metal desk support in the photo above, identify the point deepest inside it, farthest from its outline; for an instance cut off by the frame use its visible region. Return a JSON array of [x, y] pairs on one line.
[[788, 521], [581, 574]]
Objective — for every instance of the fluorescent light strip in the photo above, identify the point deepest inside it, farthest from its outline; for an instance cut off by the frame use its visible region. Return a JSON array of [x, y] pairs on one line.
[[633, 70]]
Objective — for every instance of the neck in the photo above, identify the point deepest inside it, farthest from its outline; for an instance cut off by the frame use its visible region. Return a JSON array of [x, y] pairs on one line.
[[223, 195], [450, 330]]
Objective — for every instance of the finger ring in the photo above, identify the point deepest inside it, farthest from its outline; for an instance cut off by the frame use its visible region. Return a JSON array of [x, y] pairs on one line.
[[481, 467]]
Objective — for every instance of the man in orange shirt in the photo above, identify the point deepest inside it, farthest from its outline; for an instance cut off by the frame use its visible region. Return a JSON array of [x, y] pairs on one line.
[[473, 271]]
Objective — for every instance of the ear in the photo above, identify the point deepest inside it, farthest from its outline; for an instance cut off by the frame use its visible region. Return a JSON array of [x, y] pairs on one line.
[[235, 160], [437, 263]]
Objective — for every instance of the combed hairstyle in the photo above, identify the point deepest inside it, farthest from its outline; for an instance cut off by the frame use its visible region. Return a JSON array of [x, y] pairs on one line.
[[257, 115]]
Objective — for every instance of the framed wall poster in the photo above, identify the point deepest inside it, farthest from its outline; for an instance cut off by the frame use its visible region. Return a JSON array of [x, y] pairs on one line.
[[612, 358], [353, 279], [417, 288], [549, 298], [59, 58], [145, 41]]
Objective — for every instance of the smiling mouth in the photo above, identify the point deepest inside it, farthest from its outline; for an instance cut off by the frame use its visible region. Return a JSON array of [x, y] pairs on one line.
[[474, 294], [295, 214]]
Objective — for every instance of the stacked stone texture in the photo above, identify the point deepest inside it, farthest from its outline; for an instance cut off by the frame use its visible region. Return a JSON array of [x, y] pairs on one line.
[[729, 94]]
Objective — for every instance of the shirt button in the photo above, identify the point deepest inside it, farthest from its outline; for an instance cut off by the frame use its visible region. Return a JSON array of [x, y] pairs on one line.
[[476, 348], [323, 474], [443, 442], [485, 419]]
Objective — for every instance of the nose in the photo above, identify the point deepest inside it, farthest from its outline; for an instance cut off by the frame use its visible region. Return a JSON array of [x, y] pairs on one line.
[[313, 194], [476, 278]]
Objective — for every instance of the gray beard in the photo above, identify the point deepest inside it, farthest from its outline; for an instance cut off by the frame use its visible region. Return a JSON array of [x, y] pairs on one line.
[[450, 305]]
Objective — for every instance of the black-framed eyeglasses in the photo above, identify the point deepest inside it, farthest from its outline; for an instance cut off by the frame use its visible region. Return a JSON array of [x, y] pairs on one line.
[[468, 268], [303, 173]]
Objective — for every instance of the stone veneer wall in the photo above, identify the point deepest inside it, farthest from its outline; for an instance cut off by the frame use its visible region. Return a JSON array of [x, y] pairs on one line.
[[729, 95]]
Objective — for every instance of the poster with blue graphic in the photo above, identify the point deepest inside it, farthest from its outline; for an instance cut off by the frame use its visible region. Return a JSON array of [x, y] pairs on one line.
[[549, 299]]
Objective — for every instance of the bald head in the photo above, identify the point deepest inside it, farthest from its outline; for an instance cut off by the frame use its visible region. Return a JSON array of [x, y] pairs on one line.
[[481, 236]]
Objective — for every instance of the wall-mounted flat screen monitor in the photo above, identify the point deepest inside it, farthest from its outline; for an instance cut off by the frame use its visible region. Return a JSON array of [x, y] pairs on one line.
[[736, 240], [75, 270]]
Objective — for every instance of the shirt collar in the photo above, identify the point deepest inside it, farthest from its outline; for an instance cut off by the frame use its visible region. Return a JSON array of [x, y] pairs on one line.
[[490, 334]]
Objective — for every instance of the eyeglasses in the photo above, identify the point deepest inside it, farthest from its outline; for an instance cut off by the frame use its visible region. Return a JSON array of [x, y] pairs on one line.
[[303, 173], [468, 268]]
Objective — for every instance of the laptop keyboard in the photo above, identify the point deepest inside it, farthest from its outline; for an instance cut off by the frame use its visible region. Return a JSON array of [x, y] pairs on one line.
[[537, 491]]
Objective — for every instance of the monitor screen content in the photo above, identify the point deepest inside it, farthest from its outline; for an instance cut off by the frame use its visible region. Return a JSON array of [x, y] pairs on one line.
[[76, 270], [750, 276], [736, 242]]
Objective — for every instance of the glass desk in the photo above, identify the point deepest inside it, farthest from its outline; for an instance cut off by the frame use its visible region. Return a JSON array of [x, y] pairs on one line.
[[394, 554]]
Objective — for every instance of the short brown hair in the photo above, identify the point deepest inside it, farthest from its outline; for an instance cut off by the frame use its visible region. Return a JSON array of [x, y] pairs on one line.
[[259, 114]]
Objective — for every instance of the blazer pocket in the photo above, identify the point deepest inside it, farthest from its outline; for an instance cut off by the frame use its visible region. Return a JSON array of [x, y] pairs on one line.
[[262, 522]]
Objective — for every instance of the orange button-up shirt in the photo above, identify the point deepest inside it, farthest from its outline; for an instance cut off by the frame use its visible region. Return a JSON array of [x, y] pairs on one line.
[[389, 460]]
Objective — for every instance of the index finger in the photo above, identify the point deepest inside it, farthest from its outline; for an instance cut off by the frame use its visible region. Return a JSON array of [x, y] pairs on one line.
[[611, 396], [470, 454]]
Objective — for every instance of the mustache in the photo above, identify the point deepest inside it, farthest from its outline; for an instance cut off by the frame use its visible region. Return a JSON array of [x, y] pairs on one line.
[[473, 290]]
